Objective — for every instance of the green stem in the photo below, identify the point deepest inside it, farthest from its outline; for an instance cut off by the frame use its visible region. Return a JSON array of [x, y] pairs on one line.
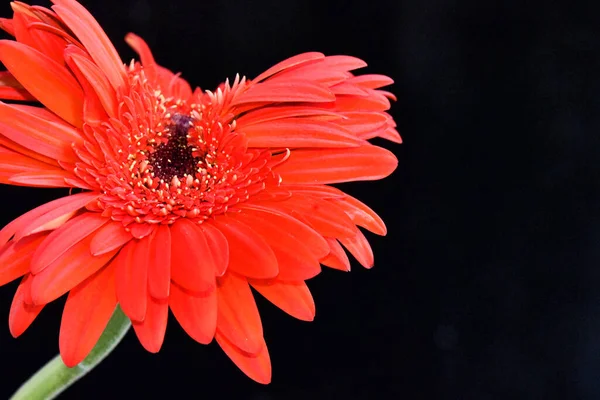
[[55, 377]]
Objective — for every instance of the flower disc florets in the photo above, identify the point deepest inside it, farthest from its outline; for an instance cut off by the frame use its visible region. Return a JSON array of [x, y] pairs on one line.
[[167, 158]]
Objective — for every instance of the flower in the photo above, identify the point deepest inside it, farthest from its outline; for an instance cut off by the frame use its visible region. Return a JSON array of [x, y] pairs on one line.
[[179, 199]]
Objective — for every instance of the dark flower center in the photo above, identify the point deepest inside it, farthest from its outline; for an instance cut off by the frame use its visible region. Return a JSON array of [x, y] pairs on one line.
[[175, 157]]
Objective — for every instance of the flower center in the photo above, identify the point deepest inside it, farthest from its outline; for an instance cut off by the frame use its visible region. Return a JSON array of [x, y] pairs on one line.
[[175, 158], [163, 158]]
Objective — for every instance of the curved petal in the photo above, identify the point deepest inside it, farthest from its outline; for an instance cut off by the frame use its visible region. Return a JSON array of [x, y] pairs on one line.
[[65, 237], [324, 217], [22, 313], [371, 81], [337, 165], [238, 318], [151, 331], [49, 138], [362, 215], [109, 237], [87, 311], [49, 216], [359, 247], [285, 91], [92, 36], [292, 297], [197, 315], [300, 132], [11, 89], [192, 265], [219, 248], [256, 366], [45, 79], [69, 270], [293, 228], [97, 80], [139, 46], [48, 179], [249, 254], [337, 258], [295, 259], [93, 110], [15, 259], [159, 263], [289, 63], [41, 40], [132, 278], [13, 163]]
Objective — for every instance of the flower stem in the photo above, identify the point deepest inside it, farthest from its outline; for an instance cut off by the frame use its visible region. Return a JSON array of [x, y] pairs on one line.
[[55, 377]]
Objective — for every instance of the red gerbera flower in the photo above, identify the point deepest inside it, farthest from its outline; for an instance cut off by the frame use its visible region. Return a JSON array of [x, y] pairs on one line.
[[183, 199]]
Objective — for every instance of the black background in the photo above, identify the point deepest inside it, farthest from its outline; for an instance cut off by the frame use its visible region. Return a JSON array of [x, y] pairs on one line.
[[487, 285]]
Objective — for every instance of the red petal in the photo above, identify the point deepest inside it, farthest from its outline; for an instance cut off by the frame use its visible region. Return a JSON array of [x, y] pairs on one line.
[[51, 179], [285, 91], [197, 315], [299, 132], [7, 26], [49, 138], [363, 122], [343, 63], [68, 271], [323, 216], [66, 204], [391, 134], [192, 265], [289, 63], [275, 113], [93, 110], [9, 144], [97, 80], [140, 231], [321, 191], [91, 35], [362, 215], [16, 257], [292, 227], [159, 263], [151, 331], [110, 237], [139, 46], [256, 366], [61, 240], [132, 278], [337, 165], [348, 89], [375, 101], [249, 254], [238, 319], [86, 314], [295, 259], [46, 43], [314, 72], [292, 297], [337, 259], [372, 81], [359, 247], [49, 216], [219, 248], [45, 79], [22, 314], [13, 163], [11, 89]]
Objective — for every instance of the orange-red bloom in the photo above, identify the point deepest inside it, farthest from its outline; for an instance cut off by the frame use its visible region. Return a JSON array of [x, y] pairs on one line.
[[181, 199]]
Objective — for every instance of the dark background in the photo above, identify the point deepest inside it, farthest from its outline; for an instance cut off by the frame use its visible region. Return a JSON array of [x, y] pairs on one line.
[[487, 285]]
